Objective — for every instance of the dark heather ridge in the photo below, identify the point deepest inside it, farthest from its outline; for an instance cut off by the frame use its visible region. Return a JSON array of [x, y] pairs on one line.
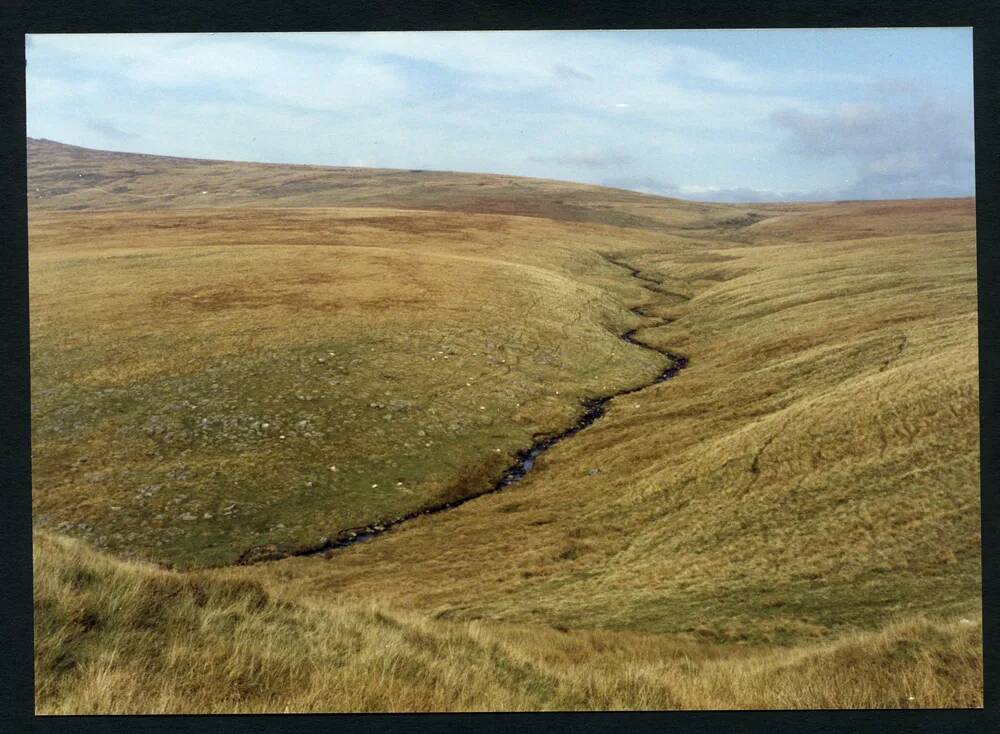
[[594, 408]]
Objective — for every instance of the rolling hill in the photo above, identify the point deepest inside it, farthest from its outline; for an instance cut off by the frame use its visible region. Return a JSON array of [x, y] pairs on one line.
[[236, 366]]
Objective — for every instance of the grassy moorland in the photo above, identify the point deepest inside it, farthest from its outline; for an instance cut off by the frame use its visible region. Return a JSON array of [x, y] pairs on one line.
[[67, 178], [122, 637], [274, 377], [815, 467], [791, 521]]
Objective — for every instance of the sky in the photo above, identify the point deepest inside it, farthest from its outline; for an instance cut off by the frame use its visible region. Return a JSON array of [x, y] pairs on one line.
[[768, 115]]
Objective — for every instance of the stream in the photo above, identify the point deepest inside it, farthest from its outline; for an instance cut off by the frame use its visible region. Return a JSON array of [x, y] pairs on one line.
[[524, 460]]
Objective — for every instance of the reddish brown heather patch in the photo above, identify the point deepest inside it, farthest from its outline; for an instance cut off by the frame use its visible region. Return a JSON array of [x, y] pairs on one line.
[[221, 298], [862, 219]]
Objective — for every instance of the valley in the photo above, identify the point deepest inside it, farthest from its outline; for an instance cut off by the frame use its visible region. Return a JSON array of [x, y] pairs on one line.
[[736, 446]]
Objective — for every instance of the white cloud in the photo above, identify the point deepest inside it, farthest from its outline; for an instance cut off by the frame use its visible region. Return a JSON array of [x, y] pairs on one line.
[[924, 147], [241, 66], [558, 105], [592, 158]]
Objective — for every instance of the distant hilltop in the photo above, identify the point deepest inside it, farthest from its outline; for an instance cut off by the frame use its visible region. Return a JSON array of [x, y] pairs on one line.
[[68, 177]]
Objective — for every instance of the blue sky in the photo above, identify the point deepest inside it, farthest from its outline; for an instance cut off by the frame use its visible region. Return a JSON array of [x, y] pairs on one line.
[[710, 115]]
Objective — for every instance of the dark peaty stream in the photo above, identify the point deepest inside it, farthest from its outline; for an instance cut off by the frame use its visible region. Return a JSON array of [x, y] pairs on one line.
[[524, 461]]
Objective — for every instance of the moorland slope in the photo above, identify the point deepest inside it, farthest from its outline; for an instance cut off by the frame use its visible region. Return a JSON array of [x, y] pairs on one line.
[[299, 351]]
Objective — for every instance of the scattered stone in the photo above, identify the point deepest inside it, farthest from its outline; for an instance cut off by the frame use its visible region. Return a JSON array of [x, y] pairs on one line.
[[180, 473]]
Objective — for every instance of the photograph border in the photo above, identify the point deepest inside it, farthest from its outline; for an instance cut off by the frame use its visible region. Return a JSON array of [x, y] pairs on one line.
[[112, 16]]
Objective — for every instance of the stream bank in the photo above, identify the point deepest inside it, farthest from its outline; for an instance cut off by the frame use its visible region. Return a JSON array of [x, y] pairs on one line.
[[524, 462]]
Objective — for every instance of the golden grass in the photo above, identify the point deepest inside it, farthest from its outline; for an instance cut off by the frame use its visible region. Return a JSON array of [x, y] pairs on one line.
[[791, 522], [240, 357], [120, 637], [64, 177], [814, 469]]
